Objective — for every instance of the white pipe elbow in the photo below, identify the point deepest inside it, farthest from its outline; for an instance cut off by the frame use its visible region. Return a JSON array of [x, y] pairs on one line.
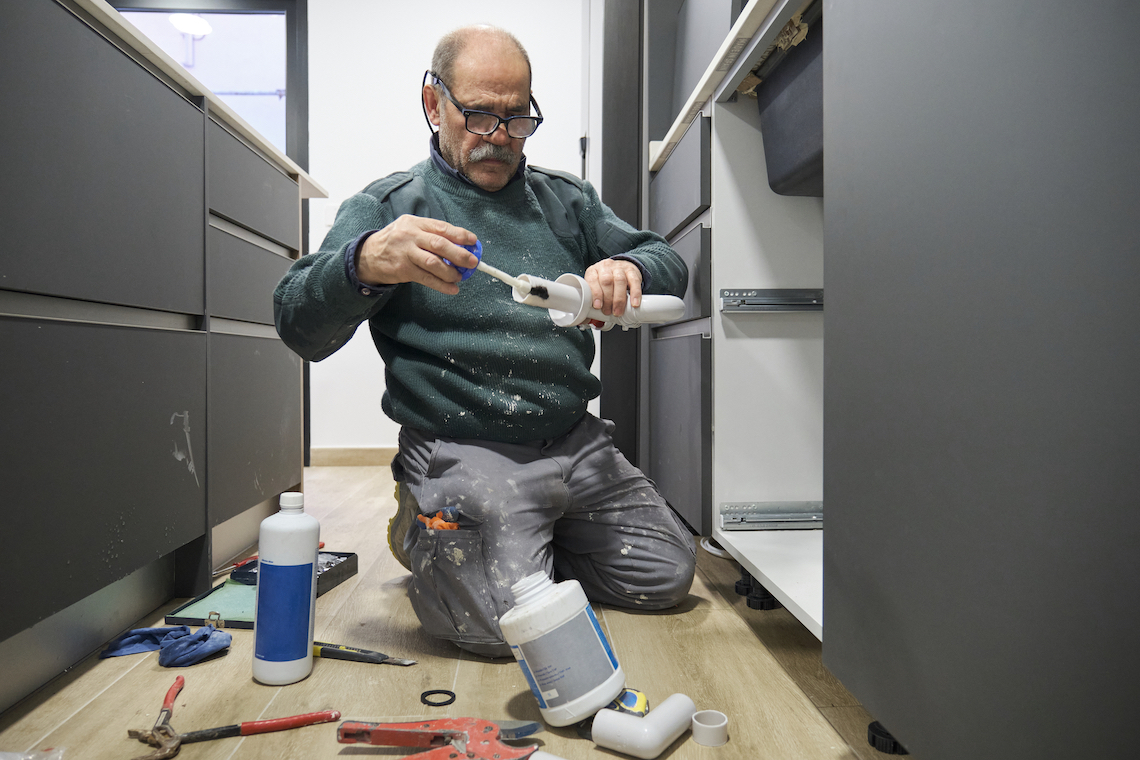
[[644, 737]]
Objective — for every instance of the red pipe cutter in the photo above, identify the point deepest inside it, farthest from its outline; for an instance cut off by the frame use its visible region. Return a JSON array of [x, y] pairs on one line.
[[470, 737]]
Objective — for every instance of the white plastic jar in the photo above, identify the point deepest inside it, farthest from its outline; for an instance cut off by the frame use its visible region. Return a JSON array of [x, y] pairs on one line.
[[561, 649], [284, 615]]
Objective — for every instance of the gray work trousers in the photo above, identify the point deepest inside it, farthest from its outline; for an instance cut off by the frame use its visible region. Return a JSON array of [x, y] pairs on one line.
[[571, 507]]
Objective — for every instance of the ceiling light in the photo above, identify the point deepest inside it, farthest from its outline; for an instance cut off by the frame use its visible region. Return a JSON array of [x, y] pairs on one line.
[[188, 23]]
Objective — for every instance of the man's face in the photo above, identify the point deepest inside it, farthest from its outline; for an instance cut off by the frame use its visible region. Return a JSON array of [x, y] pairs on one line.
[[488, 77]]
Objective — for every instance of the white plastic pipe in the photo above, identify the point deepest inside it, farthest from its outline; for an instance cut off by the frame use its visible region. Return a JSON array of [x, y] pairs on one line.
[[569, 301], [644, 737], [563, 294]]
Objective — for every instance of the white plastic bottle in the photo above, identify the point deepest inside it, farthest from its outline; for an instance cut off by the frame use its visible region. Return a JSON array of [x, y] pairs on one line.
[[561, 649], [286, 593]]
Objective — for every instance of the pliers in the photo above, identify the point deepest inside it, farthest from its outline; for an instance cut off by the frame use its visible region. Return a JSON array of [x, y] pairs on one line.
[[162, 735], [471, 737], [168, 741]]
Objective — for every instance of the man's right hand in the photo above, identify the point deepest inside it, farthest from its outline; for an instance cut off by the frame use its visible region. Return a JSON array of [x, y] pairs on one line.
[[416, 249]]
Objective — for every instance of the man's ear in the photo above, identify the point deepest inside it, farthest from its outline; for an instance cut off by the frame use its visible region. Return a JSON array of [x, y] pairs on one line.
[[431, 104]]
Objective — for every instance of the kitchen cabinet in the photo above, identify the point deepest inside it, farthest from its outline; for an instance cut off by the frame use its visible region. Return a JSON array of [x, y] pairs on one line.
[[148, 400]]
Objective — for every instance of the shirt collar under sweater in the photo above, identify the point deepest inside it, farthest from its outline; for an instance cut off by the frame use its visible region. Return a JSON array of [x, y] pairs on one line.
[[441, 163]]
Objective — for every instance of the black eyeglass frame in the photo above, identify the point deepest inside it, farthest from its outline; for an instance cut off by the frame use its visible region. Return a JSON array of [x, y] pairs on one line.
[[469, 112]]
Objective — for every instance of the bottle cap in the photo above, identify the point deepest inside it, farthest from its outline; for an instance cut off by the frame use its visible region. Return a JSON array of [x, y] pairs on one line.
[[292, 500]]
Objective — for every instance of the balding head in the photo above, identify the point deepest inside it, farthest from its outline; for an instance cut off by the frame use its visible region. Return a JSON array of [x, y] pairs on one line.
[[453, 44]]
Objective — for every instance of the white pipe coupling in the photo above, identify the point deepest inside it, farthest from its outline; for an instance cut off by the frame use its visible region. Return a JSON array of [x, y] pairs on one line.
[[570, 303], [710, 728], [644, 737]]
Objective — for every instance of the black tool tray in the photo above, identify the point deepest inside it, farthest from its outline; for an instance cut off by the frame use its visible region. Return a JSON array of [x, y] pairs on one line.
[[333, 569], [231, 604]]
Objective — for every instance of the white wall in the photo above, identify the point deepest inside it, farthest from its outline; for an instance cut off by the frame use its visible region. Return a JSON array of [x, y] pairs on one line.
[[366, 64]]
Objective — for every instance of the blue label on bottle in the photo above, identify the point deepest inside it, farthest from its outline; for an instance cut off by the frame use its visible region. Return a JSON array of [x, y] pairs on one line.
[[284, 596]]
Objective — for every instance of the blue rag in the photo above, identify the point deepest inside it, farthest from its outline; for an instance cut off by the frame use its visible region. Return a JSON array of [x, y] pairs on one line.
[[178, 646]]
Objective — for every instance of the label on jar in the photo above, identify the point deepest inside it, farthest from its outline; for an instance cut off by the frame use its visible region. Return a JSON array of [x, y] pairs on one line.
[[568, 662]]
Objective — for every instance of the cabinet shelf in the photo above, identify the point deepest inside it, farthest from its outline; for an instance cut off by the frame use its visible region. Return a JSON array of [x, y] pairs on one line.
[[788, 563]]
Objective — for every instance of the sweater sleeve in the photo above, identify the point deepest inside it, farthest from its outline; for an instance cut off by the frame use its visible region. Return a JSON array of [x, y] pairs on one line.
[[316, 307], [607, 236]]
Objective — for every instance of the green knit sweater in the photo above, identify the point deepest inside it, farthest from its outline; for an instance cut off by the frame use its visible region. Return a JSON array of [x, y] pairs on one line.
[[478, 364]]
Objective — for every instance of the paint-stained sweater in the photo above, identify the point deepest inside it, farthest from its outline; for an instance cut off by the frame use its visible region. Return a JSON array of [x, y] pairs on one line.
[[478, 364]]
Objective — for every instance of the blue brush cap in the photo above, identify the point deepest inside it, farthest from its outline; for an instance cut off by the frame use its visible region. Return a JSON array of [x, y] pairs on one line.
[[476, 249]]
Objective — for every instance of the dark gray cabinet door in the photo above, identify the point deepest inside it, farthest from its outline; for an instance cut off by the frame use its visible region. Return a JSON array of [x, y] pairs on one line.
[[680, 420], [102, 179], [982, 384], [245, 189], [242, 278], [255, 422], [682, 189], [695, 248], [104, 457]]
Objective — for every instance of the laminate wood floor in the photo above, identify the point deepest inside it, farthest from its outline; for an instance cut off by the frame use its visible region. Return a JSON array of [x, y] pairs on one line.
[[762, 669]]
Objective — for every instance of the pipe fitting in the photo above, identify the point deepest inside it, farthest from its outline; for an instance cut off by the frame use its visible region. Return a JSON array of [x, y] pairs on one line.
[[569, 301], [644, 737], [710, 728]]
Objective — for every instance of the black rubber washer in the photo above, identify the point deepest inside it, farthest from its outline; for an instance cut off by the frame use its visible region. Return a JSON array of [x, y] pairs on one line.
[[438, 692]]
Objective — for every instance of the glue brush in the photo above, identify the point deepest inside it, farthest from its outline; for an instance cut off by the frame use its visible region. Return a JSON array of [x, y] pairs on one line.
[[520, 286]]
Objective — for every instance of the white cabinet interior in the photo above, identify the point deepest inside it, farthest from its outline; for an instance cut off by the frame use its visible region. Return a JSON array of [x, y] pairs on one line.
[[767, 368]]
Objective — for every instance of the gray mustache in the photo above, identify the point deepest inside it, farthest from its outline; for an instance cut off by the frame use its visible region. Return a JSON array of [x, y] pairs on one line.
[[491, 151]]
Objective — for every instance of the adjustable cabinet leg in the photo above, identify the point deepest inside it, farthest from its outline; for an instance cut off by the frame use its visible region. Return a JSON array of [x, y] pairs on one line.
[[881, 739], [744, 585], [760, 599]]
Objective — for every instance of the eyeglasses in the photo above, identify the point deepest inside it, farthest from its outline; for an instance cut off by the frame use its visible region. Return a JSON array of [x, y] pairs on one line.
[[485, 122]]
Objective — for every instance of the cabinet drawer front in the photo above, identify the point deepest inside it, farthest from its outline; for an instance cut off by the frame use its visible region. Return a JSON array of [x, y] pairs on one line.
[[242, 278], [683, 187], [102, 179], [256, 440], [680, 416], [104, 452], [246, 189], [695, 248]]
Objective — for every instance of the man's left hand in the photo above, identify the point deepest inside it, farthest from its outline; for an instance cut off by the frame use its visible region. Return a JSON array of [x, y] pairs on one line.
[[610, 282]]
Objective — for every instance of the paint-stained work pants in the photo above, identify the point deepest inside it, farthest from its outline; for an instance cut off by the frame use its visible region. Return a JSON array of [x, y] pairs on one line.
[[572, 507]]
